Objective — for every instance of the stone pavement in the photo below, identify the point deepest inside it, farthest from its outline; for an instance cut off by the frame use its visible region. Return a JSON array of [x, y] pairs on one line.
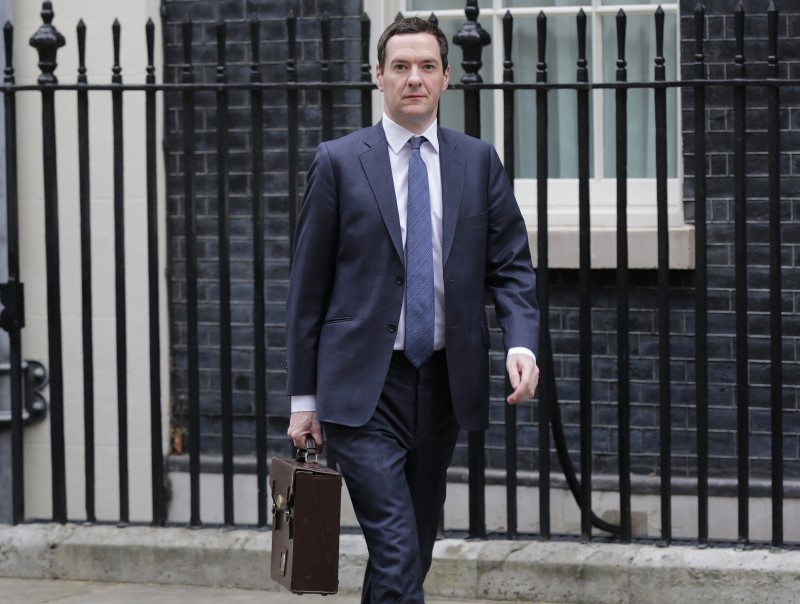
[[50, 591], [224, 564]]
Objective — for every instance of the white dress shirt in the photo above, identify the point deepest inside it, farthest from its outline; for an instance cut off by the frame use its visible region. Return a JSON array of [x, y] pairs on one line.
[[399, 151]]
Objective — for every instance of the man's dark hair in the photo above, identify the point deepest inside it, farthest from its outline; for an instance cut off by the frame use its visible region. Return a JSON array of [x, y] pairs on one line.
[[412, 25]]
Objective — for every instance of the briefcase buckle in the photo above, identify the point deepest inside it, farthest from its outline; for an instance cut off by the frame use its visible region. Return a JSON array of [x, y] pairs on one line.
[[282, 505]]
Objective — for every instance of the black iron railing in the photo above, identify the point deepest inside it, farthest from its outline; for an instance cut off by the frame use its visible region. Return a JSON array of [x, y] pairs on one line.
[[472, 39]]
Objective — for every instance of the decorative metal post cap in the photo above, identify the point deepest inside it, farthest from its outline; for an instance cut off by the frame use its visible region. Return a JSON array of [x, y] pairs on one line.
[[47, 40], [471, 37]]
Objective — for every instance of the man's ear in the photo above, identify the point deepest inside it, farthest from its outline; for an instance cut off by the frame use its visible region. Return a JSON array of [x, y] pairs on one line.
[[446, 78], [379, 77]]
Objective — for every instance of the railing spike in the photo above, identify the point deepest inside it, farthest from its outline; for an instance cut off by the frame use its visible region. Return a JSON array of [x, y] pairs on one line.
[[738, 26], [291, 41], [150, 31], [366, 24], [8, 38], [81, 51], [325, 30], [660, 37], [508, 32], [699, 30], [116, 30], [772, 27], [582, 63], [222, 30], [622, 21], [255, 43], [541, 30], [186, 31]]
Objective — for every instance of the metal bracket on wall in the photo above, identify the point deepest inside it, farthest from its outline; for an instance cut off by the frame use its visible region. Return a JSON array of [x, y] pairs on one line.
[[34, 380]]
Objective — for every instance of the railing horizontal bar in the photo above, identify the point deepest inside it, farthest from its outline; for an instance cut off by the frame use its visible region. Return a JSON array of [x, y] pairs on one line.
[[196, 87], [738, 82], [733, 83], [554, 11]]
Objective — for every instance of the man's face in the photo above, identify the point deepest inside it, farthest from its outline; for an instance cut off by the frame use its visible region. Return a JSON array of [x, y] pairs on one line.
[[412, 80]]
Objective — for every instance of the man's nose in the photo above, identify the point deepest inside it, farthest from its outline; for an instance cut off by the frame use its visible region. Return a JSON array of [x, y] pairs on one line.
[[414, 77]]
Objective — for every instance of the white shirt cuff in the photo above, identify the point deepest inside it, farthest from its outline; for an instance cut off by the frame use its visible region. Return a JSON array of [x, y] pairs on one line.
[[514, 350], [304, 402]]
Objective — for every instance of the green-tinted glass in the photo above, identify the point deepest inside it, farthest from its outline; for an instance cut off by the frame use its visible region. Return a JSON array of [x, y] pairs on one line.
[[434, 5], [626, 2], [640, 56], [543, 3], [561, 57]]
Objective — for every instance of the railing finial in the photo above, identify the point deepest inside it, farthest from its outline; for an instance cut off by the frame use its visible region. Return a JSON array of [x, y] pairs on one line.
[[8, 38], [541, 29], [471, 37], [47, 40]]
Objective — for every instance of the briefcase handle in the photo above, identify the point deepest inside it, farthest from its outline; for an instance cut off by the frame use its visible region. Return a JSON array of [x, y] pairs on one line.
[[309, 454]]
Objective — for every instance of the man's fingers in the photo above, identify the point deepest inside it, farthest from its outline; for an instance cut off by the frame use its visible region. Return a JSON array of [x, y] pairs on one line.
[[524, 376], [302, 423]]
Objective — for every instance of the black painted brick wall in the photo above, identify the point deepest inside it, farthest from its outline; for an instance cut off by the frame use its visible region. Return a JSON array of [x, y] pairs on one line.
[[345, 65], [719, 51]]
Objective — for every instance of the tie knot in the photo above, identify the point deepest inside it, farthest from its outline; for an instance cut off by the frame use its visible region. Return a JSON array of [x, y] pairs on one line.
[[416, 141]]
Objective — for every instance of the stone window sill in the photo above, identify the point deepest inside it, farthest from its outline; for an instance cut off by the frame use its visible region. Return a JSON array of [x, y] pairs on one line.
[[564, 248]]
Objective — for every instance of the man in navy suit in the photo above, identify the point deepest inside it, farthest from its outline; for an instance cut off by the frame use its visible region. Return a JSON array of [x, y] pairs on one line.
[[354, 318]]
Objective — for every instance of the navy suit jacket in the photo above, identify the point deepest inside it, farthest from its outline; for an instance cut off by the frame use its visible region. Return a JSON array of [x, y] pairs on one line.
[[347, 282]]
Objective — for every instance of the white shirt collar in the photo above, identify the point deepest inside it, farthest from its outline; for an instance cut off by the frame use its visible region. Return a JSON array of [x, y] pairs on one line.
[[397, 136]]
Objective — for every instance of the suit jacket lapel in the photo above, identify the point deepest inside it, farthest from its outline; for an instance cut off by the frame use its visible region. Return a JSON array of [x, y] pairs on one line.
[[375, 161], [452, 166]]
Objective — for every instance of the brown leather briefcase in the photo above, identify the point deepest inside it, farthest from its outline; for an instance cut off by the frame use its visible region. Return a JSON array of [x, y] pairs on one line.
[[306, 503]]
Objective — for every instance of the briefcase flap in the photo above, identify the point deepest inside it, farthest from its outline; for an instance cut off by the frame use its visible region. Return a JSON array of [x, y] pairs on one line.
[[283, 474]]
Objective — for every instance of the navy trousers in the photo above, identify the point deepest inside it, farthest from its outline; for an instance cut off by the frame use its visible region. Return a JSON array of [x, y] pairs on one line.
[[395, 468]]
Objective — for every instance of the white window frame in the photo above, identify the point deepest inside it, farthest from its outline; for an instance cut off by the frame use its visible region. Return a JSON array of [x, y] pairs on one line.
[[563, 192]]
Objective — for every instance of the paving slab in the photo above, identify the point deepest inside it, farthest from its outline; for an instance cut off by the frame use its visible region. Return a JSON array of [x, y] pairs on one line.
[[44, 591]]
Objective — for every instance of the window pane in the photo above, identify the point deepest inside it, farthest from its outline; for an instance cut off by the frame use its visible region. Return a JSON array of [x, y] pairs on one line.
[[640, 56], [562, 58], [619, 2], [543, 3], [434, 5]]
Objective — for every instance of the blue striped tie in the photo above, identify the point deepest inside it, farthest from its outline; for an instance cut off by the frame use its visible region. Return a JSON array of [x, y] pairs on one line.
[[420, 311]]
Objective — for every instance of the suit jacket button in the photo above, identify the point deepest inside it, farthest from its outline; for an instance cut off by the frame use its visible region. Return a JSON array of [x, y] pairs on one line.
[[399, 280], [392, 327]]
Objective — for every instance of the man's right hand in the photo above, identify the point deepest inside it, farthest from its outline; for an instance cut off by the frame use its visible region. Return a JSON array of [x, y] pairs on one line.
[[302, 423]]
